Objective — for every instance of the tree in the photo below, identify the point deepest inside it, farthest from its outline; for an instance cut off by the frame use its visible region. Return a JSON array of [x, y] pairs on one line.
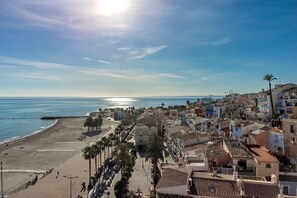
[[104, 141], [113, 139], [88, 122], [98, 121], [94, 153], [120, 189], [154, 152], [269, 78], [122, 156], [99, 146], [87, 154]]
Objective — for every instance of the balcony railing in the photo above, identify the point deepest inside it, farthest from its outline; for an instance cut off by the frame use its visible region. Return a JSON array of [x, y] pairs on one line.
[[246, 171]]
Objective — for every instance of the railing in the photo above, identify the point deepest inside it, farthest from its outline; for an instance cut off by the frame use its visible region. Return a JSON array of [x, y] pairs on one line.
[[247, 171]]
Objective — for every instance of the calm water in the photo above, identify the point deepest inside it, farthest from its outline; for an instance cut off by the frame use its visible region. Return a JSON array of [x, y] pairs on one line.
[[21, 116]]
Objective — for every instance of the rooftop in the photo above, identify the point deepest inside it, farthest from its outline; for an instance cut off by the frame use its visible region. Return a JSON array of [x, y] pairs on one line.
[[215, 150], [237, 149], [172, 177], [261, 154], [253, 189], [214, 186]]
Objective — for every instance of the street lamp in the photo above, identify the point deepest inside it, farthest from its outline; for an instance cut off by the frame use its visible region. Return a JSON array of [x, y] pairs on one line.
[[70, 179], [1, 167]]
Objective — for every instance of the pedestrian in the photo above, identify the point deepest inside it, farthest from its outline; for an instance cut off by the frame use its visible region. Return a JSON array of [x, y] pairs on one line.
[[57, 174], [83, 187]]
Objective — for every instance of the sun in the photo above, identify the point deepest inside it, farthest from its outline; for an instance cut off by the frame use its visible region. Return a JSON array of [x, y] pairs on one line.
[[112, 7]]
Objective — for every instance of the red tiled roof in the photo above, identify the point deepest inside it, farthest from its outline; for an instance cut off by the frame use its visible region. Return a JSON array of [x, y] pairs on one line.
[[261, 153]]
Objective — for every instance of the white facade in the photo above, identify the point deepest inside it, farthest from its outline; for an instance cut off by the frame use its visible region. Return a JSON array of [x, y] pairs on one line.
[[276, 140], [142, 134]]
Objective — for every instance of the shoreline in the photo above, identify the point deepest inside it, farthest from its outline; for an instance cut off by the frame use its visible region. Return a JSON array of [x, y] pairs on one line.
[[45, 150], [27, 138]]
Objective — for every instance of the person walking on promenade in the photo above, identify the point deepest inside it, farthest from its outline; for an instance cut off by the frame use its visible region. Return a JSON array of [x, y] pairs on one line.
[[57, 174], [83, 187]]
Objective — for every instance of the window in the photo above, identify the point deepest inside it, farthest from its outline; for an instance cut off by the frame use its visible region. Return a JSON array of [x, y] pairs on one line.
[[292, 128], [268, 165], [211, 189], [285, 190]]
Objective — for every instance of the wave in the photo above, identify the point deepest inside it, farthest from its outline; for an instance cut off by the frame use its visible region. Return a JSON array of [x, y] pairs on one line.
[[28, 135]]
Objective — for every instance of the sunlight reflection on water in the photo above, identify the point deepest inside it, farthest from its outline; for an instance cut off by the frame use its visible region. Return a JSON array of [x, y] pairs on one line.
[[121, 102]]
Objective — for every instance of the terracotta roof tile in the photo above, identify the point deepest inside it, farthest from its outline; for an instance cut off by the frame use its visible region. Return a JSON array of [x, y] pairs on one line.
[[172, 177], [261, 153], [214, 188], [260, 190]]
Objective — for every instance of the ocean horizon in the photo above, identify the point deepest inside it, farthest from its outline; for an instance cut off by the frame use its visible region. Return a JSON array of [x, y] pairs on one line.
[[20, 116]]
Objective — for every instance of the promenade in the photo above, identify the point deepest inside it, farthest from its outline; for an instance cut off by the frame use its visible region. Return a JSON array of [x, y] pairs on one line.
[[60, 148], [140, 179]]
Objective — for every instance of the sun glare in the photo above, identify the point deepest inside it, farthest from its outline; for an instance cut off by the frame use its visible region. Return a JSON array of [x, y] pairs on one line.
[[111, 7]]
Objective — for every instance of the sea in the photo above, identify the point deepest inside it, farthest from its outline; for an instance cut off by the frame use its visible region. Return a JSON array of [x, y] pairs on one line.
[[20, 116]]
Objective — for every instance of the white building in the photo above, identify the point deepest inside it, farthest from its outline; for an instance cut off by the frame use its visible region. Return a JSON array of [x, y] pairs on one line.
[[142, 134]]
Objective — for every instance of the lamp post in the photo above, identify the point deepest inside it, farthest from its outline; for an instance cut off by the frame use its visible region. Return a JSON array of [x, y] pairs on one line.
[[1, 167], [70, 179]]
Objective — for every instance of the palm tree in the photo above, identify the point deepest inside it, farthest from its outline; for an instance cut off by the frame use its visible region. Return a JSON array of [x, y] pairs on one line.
[[87, 154], [113, 139], [154, 152], [99, 146], [105, 143], [269, 78], [88, 122], [94, 153], [122, 156], [99, 121]]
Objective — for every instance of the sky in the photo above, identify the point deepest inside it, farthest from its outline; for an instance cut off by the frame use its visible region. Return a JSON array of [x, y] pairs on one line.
[[145, 47]]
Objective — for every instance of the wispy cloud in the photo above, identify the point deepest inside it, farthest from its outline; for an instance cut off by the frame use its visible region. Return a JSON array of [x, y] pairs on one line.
[[34, 63], [124, 49], [221, 41], [55, 71], [112, 41], [171, 76], [99, 61], [102, 61], [41, 76], [142, 52]]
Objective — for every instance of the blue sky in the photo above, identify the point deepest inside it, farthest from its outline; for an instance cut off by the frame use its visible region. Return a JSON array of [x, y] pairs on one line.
[[150, 48]]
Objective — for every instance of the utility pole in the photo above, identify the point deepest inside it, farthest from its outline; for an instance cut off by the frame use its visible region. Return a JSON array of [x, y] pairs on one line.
[[70, 179], [1, 167]]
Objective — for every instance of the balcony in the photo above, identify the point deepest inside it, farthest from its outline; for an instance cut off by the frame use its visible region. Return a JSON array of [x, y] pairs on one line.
[[246, 171]]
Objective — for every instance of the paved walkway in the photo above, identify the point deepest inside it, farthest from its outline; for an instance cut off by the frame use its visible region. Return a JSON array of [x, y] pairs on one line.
[[50, 186], [56, 185], [141, 176]]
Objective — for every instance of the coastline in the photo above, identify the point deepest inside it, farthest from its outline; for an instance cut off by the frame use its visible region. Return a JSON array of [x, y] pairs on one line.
[[30, 137], [44, 151]]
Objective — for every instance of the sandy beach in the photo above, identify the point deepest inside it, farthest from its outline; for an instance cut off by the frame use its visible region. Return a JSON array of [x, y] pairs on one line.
[[48, 150]]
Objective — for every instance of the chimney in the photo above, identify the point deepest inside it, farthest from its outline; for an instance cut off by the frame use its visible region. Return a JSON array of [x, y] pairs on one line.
[[214, 172], [273, 179], [239, 183], [235, 173]]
